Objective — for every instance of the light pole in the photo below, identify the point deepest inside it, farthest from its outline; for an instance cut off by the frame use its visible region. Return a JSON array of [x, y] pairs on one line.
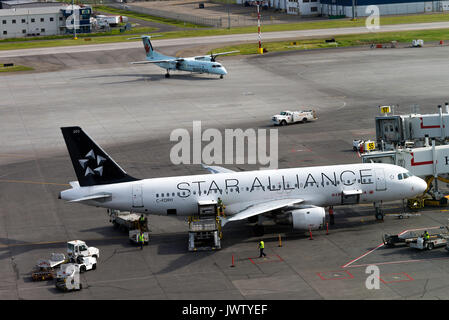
[[260, 50], [74, 21], [229, 14]]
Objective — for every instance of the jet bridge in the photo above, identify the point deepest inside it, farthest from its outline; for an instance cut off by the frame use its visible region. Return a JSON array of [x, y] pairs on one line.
[[428, 162], [397, 130]]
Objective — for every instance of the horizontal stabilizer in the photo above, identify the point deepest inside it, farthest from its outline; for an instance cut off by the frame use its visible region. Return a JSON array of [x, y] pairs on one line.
[[216, 169], [92, 197]]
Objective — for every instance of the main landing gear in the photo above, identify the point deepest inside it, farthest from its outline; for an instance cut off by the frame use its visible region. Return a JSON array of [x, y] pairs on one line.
[[379, 213], [221, 76], [167, 75]]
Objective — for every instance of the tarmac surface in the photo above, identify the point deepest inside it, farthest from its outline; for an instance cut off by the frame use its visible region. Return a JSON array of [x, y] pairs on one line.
[[131, 110]]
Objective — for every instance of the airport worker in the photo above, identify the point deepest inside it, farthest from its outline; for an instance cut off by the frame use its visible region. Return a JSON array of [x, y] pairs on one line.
[[142, 221], [261, 247], [331, 215], [426, 236], [141, 240], [220, 206]]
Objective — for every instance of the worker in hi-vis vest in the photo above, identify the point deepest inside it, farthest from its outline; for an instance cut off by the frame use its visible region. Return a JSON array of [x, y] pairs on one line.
[[426, 236], [141, 240], [220, 206], [142, 222], [261, 247]]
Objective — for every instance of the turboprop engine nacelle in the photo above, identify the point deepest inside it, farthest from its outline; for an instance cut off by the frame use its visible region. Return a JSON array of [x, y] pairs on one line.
[[304, 218]]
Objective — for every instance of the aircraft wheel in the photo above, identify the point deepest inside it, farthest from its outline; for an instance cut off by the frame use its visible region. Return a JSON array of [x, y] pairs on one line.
[[221, 76], [167, 75]]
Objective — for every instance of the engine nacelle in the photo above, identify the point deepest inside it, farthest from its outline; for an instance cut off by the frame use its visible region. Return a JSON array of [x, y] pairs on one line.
[[305, 218]]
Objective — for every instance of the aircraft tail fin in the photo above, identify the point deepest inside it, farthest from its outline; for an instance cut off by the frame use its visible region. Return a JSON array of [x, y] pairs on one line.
[[93, 166], [149, 51]]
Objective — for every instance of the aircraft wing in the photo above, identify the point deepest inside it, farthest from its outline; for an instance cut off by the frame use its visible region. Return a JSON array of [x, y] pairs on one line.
[[261, 207], [216, 169], [152, 61], [158, 61], [213, 55], [222, 53], [92, 197]]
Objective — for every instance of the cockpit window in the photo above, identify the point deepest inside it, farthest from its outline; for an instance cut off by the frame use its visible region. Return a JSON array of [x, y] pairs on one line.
[[404, 175], [216, 66]]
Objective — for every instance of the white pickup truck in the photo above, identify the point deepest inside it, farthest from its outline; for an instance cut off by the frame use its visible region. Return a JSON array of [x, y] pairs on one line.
[[286, 117]]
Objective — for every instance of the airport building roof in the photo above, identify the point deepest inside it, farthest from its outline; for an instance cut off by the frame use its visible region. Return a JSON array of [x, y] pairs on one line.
[[25, 11]]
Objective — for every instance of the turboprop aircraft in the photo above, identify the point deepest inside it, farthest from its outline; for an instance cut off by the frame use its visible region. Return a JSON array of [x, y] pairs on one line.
[[199, 64], [296, 195]]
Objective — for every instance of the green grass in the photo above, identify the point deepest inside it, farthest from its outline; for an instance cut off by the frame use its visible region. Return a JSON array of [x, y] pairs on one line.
[[342, 41], [199, 32], [14, 68], [146, 17], [139, 30]]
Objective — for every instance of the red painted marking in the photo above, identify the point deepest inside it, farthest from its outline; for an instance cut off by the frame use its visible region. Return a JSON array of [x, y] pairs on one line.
[[337, 278], [380, 245], [413, 163], [428, 127], [392, 274]]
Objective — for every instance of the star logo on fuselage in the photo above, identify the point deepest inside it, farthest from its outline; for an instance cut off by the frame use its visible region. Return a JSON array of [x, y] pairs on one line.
[[97, 164]]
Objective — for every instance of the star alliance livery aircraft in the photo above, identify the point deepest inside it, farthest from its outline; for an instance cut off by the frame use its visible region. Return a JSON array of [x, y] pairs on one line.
[[199, 64], [297, 195]]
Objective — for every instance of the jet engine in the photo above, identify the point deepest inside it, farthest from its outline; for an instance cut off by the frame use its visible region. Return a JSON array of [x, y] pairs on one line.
[[302, 219]]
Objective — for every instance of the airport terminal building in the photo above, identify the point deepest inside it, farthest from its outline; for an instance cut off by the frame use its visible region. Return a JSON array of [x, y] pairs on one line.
[[386, 7], [31, 20], [345, 7]]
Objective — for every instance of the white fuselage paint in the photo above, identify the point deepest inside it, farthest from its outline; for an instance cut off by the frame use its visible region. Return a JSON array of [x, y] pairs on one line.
[[198, 66], [319, 186]]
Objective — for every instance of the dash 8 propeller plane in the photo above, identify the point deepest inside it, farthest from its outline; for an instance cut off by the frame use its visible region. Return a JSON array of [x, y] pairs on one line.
[[198, 64], [296, 195]]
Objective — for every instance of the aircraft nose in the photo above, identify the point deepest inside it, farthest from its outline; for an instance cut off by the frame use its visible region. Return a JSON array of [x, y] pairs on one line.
[[224, 72], [419, 186]]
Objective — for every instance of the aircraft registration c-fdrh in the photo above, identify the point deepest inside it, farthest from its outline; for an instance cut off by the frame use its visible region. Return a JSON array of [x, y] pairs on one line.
[[198, 64], [297, 195]]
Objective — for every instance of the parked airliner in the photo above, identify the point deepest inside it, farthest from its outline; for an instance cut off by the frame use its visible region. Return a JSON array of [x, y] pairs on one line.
[[199, 64], [297, 195]]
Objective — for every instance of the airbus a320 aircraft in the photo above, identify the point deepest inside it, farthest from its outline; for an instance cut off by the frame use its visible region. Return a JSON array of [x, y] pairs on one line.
[[298, 195], [199, 64]]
